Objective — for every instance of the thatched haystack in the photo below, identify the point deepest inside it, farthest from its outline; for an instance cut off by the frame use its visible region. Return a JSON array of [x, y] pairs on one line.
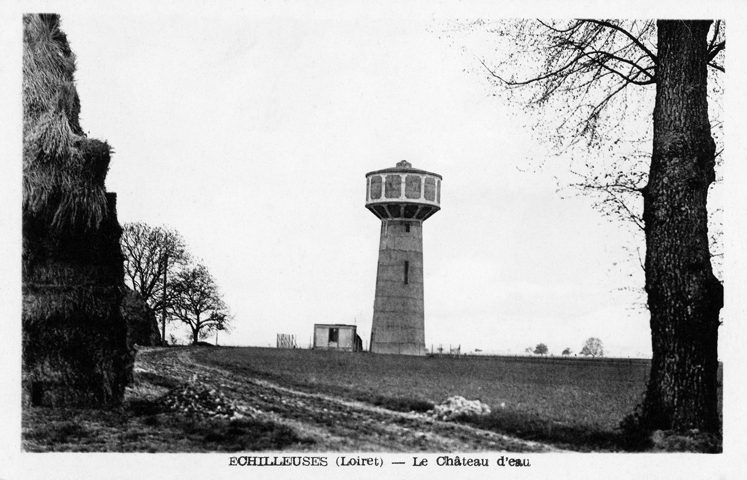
[[74, 336], [142, 326]]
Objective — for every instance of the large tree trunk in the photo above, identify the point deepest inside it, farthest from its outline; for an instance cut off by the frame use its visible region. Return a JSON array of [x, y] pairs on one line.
[[196, 331], [684, 297]]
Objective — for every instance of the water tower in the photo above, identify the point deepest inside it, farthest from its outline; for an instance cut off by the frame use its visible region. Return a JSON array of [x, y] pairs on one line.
[[403, 198]]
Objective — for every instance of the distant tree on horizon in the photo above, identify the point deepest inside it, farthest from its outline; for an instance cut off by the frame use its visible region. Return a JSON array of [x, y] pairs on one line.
[[541, 349], [567, 351], [197, 302], [593, 346]]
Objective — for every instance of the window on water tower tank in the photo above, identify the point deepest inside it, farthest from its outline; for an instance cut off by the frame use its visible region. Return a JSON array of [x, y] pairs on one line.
[[393, 186], [430, 189], [407, 227], [412, 186], [333, 334], [407, 271], [375, 187]]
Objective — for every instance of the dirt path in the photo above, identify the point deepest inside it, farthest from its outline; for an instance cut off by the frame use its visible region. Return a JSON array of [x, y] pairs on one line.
[[335, 424]]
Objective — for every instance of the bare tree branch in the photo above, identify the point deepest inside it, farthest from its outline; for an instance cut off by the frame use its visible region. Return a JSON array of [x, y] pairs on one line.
[[717, 67], [635, 40], [149, 253]]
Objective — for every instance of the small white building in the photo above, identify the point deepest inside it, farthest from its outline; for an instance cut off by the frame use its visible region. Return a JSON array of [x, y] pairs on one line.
[[337, 337]]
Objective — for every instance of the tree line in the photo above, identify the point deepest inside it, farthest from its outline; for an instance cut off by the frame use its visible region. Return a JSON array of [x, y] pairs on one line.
[[177, 287], [592, 347]]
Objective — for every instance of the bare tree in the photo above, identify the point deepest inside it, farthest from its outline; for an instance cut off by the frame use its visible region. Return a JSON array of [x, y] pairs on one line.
[[595, 75], [152, 255], [197, 302], [592, 346]]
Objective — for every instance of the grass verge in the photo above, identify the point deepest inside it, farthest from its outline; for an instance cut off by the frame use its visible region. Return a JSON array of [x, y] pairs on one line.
[[144, 426]]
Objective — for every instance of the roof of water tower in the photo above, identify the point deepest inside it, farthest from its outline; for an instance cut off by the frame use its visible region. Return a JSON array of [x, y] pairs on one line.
[[404, 167], [403, 192]]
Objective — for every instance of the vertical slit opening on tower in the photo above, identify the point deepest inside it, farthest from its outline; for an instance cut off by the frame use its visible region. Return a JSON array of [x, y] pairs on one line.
[[407, 271]]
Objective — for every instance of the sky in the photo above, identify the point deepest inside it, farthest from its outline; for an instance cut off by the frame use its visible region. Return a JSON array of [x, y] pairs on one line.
[[250, 128], [250, 132], [251, 136]]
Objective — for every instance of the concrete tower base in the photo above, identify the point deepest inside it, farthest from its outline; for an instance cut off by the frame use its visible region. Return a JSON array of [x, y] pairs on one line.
[[399, 317]]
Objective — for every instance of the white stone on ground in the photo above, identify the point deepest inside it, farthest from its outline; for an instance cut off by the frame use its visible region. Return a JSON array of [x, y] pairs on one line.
[[456, 406]]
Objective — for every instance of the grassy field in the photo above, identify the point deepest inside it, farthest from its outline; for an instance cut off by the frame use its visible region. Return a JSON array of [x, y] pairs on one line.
[[594, 393], [145, 427], [143, 424], [572, 403]]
